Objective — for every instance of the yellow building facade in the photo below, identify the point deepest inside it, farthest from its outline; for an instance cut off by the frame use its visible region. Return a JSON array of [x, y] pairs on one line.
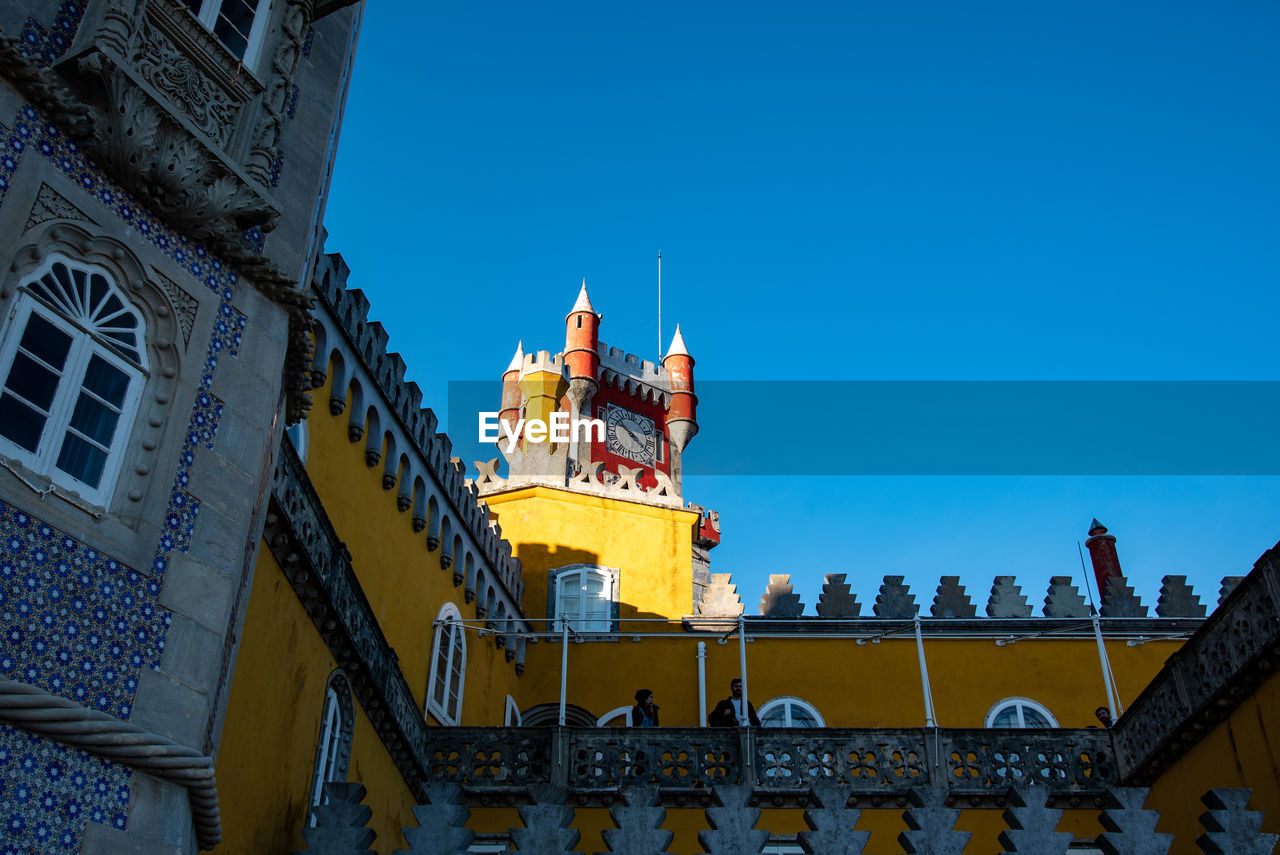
[[407, 626]]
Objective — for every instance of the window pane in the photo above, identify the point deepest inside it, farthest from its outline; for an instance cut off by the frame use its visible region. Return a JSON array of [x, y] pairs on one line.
[[1034, 718], [800, 717], [106, 381], [775, 717], [81, 460], [32, 381], [194, 6], [234, 40], [95, 420], [45, 341], [20, 423], [1007, 717]]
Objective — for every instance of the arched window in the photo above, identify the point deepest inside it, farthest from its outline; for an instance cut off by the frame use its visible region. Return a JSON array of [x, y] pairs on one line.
[[511, 717], [448, 667], [333, 750], [73, 359], [790, 712], [587, 595], [1019, 712]]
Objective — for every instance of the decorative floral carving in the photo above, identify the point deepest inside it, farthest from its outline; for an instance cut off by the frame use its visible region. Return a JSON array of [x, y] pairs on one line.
[[174, 75], [51, 205]]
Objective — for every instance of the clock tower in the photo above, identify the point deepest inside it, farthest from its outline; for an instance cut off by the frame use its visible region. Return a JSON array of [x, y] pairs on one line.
[[648, 411]]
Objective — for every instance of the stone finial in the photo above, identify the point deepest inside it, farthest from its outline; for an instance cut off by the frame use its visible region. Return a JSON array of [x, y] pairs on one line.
[[932, 824], [895, 600], [836, 600], [1007, 599], [1230, 827], [951, 600], [1229, 584], [831, 827], [733, 830], [546, 824], [442, 824], [1177, 599], [639, 825], [721, 597], [1032, 826], [1131, 830], [1118, 600], [340, 823], [1063, 599], [778, 600]]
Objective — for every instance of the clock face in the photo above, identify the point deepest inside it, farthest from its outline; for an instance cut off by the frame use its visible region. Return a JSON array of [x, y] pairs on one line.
[[630, 435]]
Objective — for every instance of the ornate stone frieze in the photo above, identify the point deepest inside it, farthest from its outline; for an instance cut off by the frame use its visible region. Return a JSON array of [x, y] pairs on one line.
[[1220, 665], [177, 77]]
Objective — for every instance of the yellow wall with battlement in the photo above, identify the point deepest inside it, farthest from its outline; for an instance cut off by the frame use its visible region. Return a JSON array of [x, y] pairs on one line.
[[402, 580], [1241, 751]]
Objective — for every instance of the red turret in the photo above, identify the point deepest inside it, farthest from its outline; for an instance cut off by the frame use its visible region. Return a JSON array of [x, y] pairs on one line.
[[581, 339], [682, 418], [511, 401], [1102, 549]]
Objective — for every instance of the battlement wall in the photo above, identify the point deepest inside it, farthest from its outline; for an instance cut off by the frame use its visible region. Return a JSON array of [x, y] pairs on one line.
[[895, 601], [386, 410]]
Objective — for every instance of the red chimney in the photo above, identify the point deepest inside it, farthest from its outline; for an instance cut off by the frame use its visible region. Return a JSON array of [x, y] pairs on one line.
[[1102, 549]]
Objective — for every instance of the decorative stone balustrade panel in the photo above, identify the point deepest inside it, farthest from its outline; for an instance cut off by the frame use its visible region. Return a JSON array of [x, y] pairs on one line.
[[874, 762]]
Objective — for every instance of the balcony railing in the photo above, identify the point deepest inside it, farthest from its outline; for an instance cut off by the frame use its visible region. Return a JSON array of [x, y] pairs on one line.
[[778, 764]]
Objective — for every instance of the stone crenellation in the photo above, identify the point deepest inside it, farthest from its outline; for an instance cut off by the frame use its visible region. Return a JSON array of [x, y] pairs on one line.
[[894, 600], [634, 375], [349, 308]]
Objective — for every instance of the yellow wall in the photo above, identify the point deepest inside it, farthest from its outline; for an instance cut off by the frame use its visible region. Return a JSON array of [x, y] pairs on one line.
[[652, 547], [402, 580], [268, 748], [1242, 751], [872, 685]]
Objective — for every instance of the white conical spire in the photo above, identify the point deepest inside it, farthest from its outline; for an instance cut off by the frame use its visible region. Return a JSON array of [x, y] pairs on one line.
[[677, 345], [583, 303], [518, 359]]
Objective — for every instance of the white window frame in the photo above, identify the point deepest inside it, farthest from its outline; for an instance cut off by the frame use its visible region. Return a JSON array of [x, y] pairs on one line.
[[511, 718], [208, 17], [580, 623], [1020, 703], [450, 631], [787, 702], [621, 712], [84, 346]]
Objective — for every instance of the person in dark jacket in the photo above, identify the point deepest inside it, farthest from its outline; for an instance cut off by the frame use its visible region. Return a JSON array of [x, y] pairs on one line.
[[730, 712], [645, 712]]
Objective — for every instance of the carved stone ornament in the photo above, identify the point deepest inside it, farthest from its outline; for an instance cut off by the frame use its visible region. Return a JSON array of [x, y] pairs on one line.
[[175, 76], [184, 305], [51, 205]]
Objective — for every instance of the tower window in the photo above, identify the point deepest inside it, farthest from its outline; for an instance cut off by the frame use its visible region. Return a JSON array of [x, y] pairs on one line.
[[579, 321], [1019, 712], [73, 361], [587, 595], [448, 667], [238, 24]]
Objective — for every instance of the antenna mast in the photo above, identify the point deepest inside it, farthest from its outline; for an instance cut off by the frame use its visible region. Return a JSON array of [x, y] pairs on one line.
[[659, 307]]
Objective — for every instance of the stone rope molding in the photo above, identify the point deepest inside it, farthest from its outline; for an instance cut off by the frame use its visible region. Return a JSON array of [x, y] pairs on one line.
[[36, 711]]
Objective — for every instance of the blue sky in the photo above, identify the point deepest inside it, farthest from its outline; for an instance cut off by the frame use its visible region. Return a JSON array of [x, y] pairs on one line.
[[909, 191]]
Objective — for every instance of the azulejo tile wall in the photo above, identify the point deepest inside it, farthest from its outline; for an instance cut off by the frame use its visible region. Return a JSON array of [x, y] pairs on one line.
[[76, 622]]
